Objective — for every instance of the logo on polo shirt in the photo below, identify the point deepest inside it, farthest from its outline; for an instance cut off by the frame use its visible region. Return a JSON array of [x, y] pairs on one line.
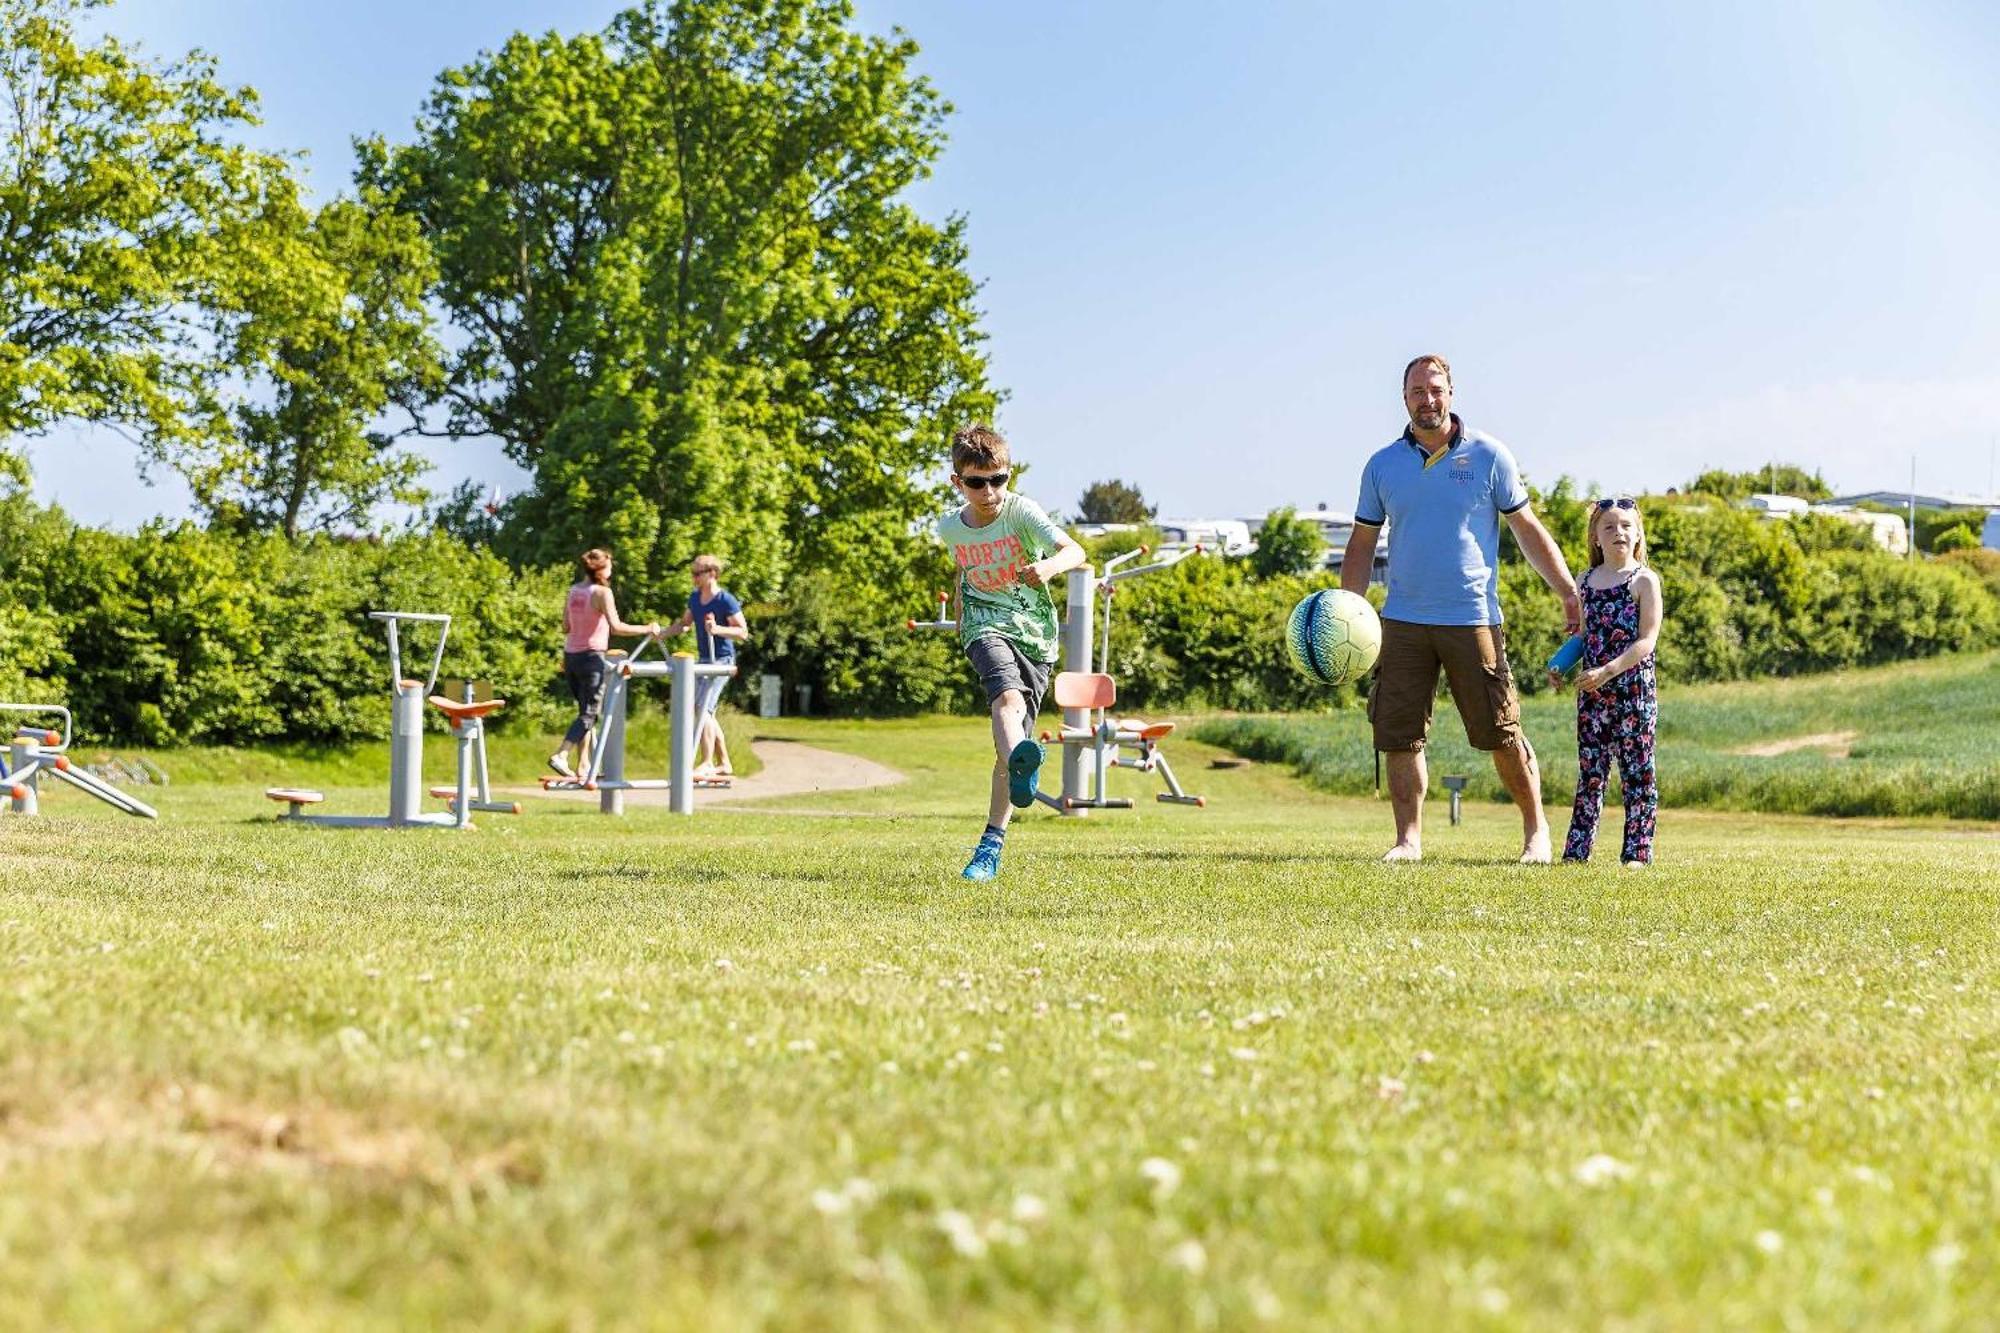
[[1461, 467]]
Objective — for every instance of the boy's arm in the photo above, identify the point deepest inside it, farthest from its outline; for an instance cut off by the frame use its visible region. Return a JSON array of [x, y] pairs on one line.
[[736, 627], [1067, 556]]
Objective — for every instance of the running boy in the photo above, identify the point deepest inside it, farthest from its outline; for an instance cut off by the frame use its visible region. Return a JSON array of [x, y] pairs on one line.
[[1007, 549], [1617, 700]]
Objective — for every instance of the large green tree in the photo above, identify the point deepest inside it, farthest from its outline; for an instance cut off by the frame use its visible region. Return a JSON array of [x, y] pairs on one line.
[[333, 330], [693, 299], [1113, 501], [122, 188]]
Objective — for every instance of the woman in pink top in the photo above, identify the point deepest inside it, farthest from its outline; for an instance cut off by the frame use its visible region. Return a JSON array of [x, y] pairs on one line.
[[590, 618]]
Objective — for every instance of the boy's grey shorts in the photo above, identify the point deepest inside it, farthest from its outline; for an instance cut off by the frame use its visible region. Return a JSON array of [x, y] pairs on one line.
[[1002, 666]]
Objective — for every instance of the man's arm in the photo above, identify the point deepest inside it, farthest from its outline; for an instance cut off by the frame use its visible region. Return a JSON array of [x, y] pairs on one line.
[[1357, 564], [1546, 558]]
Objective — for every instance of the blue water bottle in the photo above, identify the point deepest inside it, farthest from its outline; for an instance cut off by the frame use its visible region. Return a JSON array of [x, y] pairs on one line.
[[1567, 656]]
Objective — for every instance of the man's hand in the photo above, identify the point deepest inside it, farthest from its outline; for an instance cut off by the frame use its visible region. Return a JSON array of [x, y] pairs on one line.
[[1572, 611], [1555, 680]]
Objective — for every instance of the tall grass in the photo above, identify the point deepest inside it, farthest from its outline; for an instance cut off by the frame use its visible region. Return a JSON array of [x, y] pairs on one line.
[[1913, 739]]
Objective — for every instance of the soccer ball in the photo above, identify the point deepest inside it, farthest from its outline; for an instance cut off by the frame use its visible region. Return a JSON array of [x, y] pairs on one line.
[[1334, 636]]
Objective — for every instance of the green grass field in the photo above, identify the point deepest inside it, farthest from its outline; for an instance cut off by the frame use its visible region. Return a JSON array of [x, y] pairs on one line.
[[1177, 1069], [1921, 738]]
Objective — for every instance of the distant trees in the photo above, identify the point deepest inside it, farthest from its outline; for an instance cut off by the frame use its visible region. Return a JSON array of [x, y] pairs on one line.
[[1287, 546], [123, 197], [1773, 479], [690, 298], [1113, 502], [334, 331]]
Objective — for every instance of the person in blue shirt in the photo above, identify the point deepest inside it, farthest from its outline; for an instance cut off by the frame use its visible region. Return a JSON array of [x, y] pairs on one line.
[[717, 619], [1443, 490]]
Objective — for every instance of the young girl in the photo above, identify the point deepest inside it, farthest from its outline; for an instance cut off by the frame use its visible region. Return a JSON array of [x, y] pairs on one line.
[[590, 618], [1617, 705]]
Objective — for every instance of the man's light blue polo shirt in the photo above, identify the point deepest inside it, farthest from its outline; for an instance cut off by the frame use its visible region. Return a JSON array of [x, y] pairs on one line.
[[1445, 559]]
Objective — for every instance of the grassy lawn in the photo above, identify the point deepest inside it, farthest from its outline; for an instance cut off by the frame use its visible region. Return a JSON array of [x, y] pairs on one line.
[[1178, 1069], [1920, 738]]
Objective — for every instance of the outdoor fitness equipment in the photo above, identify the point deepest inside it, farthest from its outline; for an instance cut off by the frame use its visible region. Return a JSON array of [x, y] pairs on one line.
[[406, 748], [37, 750], [605, 771], [1091, 738]]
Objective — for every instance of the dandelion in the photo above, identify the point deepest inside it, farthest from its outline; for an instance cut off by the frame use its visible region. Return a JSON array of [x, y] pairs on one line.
[[1162, 1175], [959, 1230], [1188, 1256], [1602, 1169]]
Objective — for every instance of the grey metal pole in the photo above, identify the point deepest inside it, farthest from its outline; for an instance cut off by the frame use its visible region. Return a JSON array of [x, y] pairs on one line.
[[610, 759], [680, 759], [18, 755], [1076, 657], [406, 753]]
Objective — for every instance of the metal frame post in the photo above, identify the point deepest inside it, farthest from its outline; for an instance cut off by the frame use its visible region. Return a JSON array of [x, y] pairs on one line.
[[609, 761], [680, 756], [1077, 635]]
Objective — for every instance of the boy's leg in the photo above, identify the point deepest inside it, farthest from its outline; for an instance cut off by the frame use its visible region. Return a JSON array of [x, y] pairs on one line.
[[1010, 728], [1640, 783]]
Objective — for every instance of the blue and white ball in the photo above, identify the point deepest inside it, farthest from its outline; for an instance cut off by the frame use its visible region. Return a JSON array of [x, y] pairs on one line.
[[1334, 636]]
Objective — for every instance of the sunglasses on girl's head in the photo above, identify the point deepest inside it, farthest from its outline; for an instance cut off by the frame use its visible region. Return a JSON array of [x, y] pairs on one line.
[[1623, 502], [997, 480]]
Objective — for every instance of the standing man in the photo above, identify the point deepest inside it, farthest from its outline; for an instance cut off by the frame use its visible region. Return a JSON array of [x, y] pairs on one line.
[[1446, 488]]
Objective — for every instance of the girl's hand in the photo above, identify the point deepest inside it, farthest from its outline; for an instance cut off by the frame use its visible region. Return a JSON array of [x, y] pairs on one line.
[[653, 628], [1593, 679]]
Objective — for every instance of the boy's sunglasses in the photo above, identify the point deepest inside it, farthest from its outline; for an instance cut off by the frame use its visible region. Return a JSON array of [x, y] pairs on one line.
[[1623, 502], [996, 481]]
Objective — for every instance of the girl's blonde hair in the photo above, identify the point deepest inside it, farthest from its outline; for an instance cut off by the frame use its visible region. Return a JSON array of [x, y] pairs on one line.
[[703, 563], [1610, 505], [595, 563]]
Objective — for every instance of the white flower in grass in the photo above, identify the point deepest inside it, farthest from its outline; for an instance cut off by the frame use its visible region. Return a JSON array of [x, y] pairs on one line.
[[831, 1203], [1162, 1175], [1602, 1169], [1189, 1257], [960, 1231], [1946, 1256], [1243, 1053], [1425, 1057], [1770, 1242], [1389, 1089], [724, 965], [1029, 1210]]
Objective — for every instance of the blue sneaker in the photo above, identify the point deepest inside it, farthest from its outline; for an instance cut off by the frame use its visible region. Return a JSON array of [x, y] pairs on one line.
[[985, 862], [1022, 767]]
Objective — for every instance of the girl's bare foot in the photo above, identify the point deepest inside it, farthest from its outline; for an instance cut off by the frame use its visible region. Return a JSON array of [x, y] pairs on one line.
[[1404, 851], [1535, 852]]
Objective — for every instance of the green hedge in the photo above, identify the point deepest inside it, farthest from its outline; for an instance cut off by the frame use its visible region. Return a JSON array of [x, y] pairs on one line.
[[178, 635]]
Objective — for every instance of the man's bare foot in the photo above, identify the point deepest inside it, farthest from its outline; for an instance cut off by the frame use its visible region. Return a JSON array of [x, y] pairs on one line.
[[1535, 852], [1405, 851]]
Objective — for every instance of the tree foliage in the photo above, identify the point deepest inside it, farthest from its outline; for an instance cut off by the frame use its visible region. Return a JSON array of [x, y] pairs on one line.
[[1287, 546], [334, 330], [1774, 479], [692, 302], [122, 190], [1113, 502]]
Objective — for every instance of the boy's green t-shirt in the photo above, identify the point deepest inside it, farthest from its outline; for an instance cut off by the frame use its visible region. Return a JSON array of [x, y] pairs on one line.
[[992, 599]]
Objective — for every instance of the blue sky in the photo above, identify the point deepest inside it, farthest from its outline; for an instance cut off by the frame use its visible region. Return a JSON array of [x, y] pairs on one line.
[[1651, 238]]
